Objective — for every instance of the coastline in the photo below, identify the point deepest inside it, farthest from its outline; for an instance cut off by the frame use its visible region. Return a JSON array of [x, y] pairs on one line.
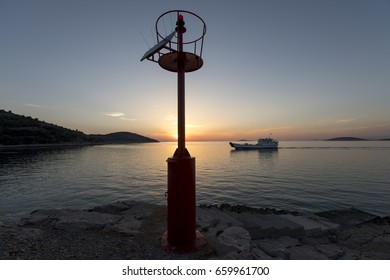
[[44, 146], [65, 145], [133, 230]]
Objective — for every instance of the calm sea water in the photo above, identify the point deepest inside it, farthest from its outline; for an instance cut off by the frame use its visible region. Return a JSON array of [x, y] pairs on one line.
[[314, 176]]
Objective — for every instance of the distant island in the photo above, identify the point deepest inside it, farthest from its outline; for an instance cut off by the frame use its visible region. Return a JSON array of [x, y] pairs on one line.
[[346, 139], [21, 130], [121, 137]]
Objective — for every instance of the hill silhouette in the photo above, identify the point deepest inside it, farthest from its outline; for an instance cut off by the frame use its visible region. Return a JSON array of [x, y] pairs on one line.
[[346, 139], [21, 130], [121, 137]]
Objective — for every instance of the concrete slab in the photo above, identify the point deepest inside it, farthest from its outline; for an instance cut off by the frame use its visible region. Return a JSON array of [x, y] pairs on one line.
[[310, 226], [272, 225]]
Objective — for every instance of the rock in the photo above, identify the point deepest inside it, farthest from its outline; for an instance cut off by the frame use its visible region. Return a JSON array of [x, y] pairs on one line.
[[382, 221], [213, 221], [350, 255], [354, 237], [326, 225], [313, 240], [69, 219], [379, 244], [128, 225], [277, 248], [259, 254], [19, 232], [113, 208], [238, 255], [306, 252], [332, 251], [242, 208], [40, 218], [131, 217], [276, 251], [347, 217], [237, 238], [271, 225], [371, 240], [289, 242], [3, 225], [138, 209]]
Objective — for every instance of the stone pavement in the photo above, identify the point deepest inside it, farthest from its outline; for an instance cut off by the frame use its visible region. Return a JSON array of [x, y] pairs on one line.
[[232, 232]]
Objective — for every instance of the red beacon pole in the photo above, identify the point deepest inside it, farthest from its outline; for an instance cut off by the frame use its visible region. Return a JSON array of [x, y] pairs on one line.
[[181, 234]]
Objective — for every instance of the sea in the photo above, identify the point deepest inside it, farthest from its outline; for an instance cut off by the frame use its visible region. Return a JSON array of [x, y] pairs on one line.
[[299, 176]]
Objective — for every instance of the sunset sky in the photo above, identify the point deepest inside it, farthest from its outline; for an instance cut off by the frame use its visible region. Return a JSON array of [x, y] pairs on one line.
[[297, 69]]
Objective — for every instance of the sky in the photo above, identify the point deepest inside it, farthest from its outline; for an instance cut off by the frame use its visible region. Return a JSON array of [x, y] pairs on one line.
[[298, 69]]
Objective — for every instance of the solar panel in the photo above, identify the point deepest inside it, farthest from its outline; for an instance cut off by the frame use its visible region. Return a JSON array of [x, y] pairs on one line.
[[158, 46]]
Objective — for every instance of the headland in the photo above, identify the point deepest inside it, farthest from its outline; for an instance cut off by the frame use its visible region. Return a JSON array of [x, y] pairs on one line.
[[27, 132]]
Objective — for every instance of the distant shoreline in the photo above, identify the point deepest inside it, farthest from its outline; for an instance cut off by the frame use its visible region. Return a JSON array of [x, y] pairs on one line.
[[346, 139], [63, 145], [354, 139]]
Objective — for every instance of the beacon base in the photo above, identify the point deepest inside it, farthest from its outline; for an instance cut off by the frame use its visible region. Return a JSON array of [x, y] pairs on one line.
[[196, 245]]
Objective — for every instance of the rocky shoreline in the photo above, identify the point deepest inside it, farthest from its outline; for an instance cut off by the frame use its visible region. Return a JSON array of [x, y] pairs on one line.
[[133, 230]]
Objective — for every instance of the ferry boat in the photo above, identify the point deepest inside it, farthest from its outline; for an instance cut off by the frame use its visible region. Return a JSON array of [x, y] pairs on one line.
[[262, 143]]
